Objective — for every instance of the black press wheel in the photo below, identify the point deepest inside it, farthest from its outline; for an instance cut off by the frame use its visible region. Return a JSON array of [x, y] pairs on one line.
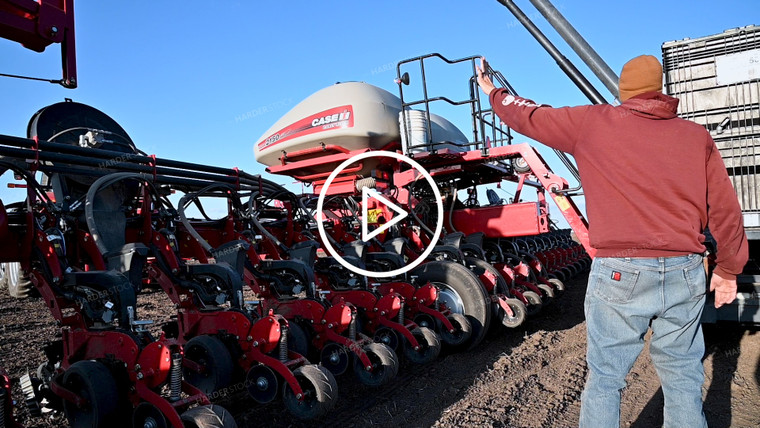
[[429, 346], [95, 383], [209, 416], [320, 392], [384, 365], [215, 360], [460, 335], [462, 292]]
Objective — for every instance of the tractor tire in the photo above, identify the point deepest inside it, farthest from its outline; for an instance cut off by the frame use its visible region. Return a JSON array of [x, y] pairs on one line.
[[464, 291], [320, 393]]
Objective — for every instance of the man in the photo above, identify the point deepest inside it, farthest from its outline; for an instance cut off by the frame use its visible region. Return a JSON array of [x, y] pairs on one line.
[[653, 183]]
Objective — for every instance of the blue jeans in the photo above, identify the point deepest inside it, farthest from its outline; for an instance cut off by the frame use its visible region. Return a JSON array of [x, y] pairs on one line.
[[624, 295]]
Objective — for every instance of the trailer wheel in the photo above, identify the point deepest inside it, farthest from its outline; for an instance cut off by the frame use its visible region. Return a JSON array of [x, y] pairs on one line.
[[95, 383], [462, 292], [209, 416], [534, 302], [384, 365], [320, 392], [462, 330], [430, 346], [519, 313], [214, 357], [19, 285]]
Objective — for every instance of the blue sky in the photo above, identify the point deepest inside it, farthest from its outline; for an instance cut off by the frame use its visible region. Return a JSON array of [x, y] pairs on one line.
[[201, 81]]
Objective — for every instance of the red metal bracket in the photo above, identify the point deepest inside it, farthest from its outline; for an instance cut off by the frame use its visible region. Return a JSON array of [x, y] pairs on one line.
[[38, 24]]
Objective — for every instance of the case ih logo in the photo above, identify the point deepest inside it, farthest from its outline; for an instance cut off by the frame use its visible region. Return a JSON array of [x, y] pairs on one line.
[[334, 118]]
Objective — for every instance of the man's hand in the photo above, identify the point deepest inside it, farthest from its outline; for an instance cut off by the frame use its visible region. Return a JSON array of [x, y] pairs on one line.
[[486, 85], [725, 290]]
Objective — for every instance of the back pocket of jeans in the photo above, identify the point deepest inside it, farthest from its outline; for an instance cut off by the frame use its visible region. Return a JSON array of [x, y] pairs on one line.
[[696, 280], [615, 283]]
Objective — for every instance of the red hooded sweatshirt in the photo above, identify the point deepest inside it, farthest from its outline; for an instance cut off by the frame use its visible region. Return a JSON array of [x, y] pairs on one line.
[[652, 181]]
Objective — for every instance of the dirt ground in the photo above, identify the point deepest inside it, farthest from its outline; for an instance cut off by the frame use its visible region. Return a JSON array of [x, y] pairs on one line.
[[529, 377]]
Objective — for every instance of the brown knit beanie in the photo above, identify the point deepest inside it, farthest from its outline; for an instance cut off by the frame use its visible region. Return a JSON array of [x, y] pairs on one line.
[[639, 75]]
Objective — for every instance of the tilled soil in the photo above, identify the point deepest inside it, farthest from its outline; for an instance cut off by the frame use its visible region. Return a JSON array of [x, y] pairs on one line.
[[528, 377]]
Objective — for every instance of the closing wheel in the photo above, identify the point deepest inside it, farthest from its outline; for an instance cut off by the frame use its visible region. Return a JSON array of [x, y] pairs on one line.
[[262, 383], [320, 392], [534, 302], [335, 358], [147, 415], [210, 353], [462, 292], [387, 336], [559, 286], [548, 293], [518, 316], [429, 346], [384, 365], [209, 416], [93, 382], [462, 330]]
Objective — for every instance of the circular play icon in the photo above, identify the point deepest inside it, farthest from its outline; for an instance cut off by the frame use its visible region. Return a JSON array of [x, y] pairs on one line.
[[399, 214]]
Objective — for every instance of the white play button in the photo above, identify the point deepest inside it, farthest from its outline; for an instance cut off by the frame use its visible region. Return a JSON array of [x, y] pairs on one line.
[[400, 214]]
